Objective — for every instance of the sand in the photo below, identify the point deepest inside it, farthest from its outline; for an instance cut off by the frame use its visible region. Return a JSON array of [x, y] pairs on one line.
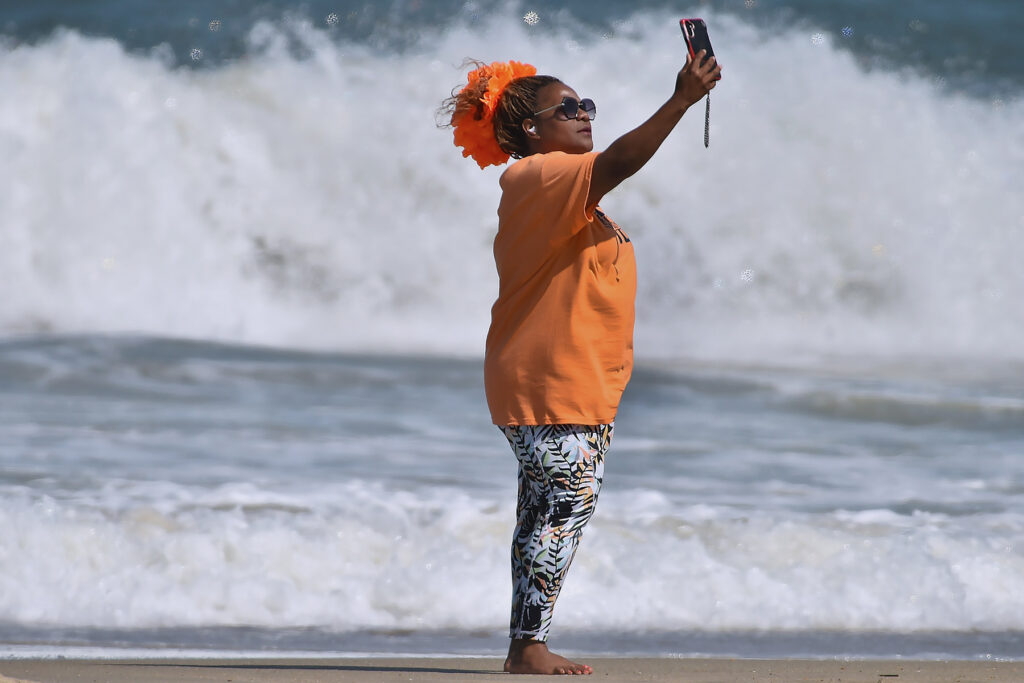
[[454, 670]]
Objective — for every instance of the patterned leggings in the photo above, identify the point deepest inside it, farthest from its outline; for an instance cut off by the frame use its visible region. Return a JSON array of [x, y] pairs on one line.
[[560, 472]]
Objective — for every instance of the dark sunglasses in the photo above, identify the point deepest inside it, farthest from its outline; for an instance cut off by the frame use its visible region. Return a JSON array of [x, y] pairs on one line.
[[571, 108]]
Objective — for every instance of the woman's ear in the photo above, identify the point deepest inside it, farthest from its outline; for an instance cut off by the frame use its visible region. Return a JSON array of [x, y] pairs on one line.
[[531, 129]]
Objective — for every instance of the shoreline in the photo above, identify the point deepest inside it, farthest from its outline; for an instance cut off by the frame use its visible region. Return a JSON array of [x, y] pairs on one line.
[[387, 669]]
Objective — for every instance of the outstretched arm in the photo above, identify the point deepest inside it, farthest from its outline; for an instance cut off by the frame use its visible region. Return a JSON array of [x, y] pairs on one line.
[[629, 153]]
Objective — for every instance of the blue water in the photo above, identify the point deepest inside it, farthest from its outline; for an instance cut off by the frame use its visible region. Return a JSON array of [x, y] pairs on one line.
[[247, 283]]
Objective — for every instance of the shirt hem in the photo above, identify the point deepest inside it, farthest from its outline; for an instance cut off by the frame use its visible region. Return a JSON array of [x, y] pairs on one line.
[[557, 420]]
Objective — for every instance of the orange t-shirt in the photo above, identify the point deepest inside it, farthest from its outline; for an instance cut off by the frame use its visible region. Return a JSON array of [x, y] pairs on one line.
[[560, 346]]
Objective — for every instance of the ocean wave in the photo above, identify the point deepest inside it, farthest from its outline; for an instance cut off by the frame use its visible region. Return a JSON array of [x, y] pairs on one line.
[[361, 556], [310, 201]]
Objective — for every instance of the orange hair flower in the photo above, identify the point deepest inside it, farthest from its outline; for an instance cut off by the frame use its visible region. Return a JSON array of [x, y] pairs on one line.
[[474, 127]]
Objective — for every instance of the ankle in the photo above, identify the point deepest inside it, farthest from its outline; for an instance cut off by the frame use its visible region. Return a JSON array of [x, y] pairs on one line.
[[520, 645]]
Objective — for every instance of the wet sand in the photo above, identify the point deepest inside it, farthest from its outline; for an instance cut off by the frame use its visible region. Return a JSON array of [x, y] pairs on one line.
[[463, 669]]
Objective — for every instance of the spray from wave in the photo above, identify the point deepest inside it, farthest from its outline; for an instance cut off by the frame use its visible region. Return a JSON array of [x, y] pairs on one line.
[[311, 202]]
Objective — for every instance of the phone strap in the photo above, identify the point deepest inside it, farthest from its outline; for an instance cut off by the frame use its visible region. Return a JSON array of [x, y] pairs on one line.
[[707, 120]]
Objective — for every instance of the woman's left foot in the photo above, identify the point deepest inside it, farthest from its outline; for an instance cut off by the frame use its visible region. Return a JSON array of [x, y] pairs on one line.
[[533, 657]]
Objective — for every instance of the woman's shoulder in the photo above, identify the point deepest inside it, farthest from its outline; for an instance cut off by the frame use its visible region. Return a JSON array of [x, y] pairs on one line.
[[537, 166], [531, 164]]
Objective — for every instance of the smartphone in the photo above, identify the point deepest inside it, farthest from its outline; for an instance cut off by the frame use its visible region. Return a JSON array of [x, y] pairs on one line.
[[695, 33]]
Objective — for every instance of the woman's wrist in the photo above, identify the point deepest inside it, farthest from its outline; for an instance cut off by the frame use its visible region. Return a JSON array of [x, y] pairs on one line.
[[678, 103]]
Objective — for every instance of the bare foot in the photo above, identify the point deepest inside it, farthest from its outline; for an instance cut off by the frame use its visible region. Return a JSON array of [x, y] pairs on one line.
[[533, 657]]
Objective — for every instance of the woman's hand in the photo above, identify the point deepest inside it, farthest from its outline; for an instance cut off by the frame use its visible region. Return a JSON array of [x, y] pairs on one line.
[[695, 80], [629, 153]]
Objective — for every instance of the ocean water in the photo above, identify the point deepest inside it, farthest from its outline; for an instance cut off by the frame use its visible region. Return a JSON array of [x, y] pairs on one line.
[[247, 279]]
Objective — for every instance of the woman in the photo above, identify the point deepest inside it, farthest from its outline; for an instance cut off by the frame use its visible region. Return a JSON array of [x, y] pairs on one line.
[[560, 347]]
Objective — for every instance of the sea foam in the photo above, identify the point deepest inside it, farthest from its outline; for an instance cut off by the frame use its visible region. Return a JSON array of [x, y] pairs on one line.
[[366, 556], [311, 201]]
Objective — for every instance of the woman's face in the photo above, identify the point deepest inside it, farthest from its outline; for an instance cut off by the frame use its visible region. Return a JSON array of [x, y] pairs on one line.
[[553, 132]]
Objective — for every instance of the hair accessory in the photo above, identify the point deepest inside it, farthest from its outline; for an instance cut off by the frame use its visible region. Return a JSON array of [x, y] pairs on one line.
[[474, 127]]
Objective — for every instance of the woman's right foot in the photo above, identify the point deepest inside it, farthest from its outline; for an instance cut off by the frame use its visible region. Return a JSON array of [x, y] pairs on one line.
[[533, 657]]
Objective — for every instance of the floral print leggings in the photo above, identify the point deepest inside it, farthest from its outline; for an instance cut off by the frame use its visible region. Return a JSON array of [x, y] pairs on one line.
[[560, 473]]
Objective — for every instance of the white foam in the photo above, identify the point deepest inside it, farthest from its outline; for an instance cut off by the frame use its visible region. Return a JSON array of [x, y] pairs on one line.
[[313, 202], [360, 556]]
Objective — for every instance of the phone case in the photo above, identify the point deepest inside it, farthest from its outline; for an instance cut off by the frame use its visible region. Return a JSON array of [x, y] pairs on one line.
[[695, 33]]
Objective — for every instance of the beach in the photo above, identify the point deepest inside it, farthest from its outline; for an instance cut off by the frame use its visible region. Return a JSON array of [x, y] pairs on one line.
[[248, 282], [385, 670]]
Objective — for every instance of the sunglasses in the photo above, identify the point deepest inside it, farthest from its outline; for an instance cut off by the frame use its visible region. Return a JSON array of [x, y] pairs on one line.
[[571, 108]]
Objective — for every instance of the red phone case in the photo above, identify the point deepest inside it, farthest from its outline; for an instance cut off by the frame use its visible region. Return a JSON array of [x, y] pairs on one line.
[[695, 33]]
